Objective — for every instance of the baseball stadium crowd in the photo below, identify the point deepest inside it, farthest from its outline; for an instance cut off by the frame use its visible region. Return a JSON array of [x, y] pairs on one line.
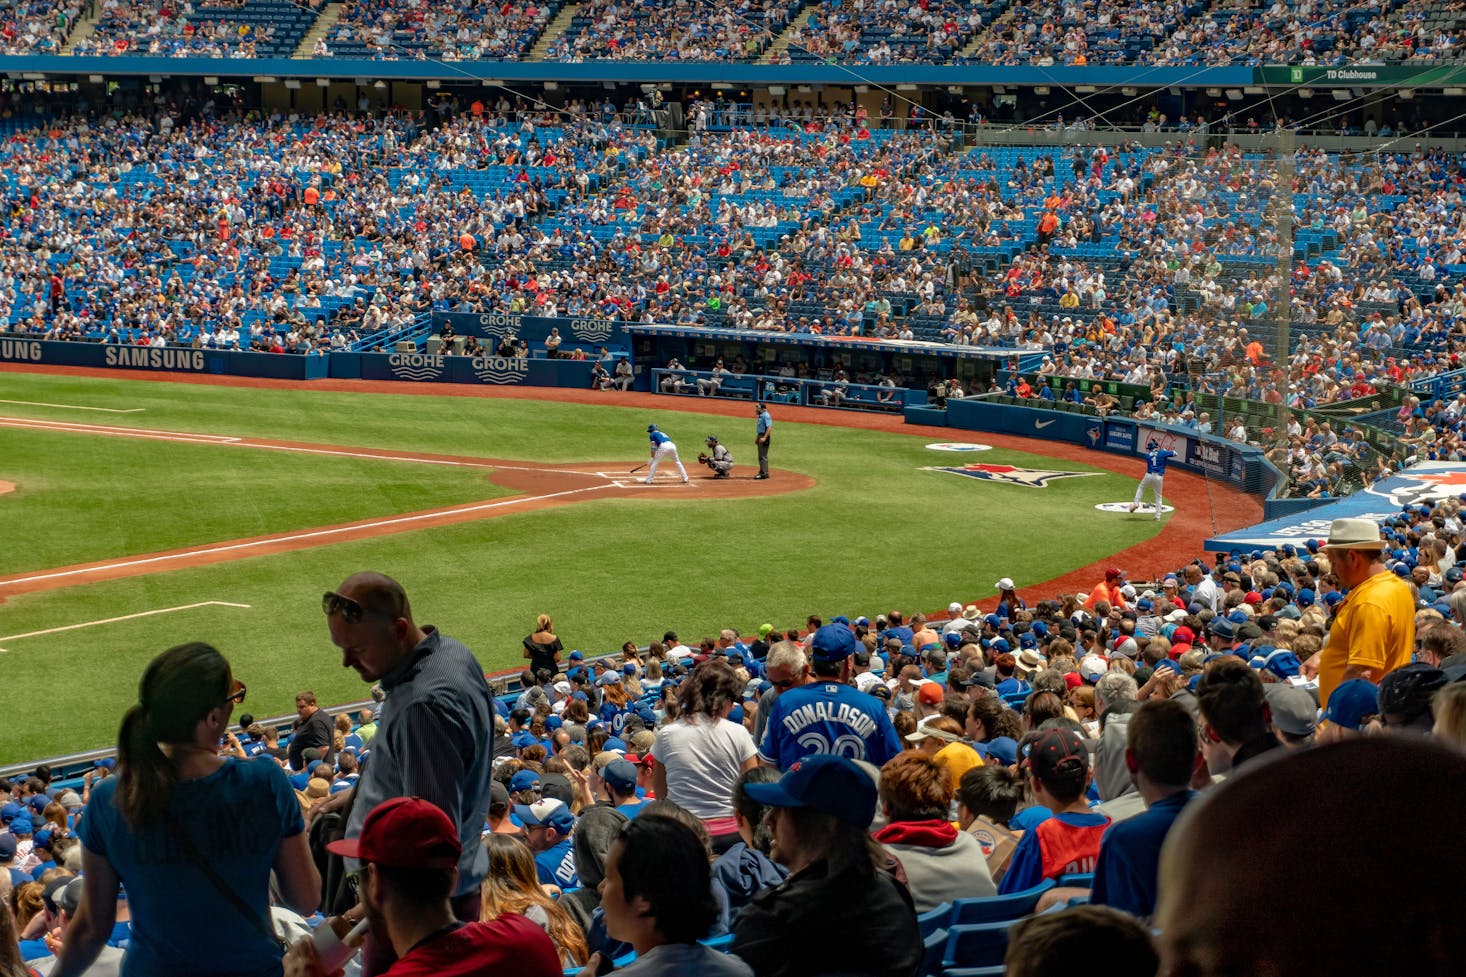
[[1156, 267], [1136, 773], [1052, 32]]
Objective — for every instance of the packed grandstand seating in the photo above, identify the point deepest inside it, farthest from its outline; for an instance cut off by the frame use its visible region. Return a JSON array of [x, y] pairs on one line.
[[248, 29], [1048, 32], [412, 29], [685, 30]]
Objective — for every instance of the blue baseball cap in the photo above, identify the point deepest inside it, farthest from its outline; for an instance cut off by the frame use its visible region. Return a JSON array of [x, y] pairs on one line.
[[953, 639], [43, 838], [833, 785], [1351, 702], [525, 780], [577, 656], [1223, 628], [1001, 645], [21, 825], [550, 813], [1305, 597], [554, 722], [1332, 597], [1003, 749], [615, 743], [9, 811], [832, 643]]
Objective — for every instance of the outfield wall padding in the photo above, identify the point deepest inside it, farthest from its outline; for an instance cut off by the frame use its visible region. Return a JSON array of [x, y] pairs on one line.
[[174, 359], [482, 370], [1238, 464]]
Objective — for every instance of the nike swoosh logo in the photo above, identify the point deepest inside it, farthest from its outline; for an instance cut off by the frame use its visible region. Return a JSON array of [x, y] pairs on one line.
[[1043, 424]]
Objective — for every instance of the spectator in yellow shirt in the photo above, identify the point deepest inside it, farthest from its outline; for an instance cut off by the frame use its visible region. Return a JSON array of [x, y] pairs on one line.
[[1374, 630]]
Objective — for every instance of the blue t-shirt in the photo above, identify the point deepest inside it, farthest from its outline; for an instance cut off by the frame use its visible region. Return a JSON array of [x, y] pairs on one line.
[[556, 866], [1155, 460], [1130, 857], [828, 717], [236, 817]]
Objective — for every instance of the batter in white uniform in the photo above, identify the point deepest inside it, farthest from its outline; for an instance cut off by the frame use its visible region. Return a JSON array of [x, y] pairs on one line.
[[662, 447]]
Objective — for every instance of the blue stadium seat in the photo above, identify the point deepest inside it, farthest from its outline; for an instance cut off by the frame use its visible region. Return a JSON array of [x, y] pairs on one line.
[[1006, 908], [978, 945], [934, 919], [933, 946], [1077, 880]]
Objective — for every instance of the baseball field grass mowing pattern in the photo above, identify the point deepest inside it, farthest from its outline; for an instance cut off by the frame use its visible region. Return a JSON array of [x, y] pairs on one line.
[[875, 533]]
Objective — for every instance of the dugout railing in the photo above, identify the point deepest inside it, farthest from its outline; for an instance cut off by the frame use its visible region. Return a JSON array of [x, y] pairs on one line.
[[786, 390]]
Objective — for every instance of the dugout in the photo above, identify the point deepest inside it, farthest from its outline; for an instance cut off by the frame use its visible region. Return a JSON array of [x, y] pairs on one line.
[[914, 365]]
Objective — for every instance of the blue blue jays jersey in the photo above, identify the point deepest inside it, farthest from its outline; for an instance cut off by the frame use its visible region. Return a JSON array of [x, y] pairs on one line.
[[827, 717], [1155, 460], [659, 439]]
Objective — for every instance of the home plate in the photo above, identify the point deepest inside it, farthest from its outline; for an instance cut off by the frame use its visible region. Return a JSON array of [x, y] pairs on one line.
[[1124, 507]]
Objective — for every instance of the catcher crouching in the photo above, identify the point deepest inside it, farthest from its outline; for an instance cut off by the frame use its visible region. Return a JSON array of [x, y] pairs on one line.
[[716, 457]]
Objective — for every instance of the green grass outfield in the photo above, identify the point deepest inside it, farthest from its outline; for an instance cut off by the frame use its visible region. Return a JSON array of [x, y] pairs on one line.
[[874, 533]]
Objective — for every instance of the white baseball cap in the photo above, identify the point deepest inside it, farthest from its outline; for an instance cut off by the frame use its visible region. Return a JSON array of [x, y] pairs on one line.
[[1005, 584]]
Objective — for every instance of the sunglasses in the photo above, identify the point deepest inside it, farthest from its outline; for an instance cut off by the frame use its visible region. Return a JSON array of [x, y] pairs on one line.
[[351, 612], [236, 693], [785, 685]]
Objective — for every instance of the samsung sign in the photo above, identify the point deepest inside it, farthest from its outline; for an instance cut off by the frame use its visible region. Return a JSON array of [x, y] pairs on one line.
[[148, 358]]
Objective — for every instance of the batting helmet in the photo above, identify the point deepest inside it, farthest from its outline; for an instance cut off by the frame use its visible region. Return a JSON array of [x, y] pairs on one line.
[[712, 439], [1152, 443], [650, 428]]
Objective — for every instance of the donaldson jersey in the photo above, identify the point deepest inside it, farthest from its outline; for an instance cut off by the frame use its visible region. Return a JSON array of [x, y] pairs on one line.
[[827, 717], [1155, 460], [659, 439]]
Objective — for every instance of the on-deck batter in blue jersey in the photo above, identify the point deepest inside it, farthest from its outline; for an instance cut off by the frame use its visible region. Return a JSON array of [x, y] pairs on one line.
[[1155, 470], [828, 717], [1155, 460]]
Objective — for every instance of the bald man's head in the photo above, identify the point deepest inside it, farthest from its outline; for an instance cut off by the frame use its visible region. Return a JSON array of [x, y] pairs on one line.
[[1321, 862]]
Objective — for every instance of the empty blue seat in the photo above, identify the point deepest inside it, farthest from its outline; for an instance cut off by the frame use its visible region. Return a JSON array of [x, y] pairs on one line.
[[1006, 908], [934, 919], [977, 945]]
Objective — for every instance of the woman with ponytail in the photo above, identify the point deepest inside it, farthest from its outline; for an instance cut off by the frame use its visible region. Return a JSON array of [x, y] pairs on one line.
[[193, 835]]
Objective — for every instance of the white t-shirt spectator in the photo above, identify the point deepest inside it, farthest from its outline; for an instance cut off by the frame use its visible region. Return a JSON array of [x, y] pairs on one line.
[[703, 760]]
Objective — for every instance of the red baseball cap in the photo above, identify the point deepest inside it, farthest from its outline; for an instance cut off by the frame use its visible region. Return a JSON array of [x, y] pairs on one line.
[[404, 832], [1113, 572], [931, 693]]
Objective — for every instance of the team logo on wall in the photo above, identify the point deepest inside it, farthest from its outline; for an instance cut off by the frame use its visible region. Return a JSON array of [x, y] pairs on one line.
[[416, 366], [959, 446], [1009, 475], [500, 369]]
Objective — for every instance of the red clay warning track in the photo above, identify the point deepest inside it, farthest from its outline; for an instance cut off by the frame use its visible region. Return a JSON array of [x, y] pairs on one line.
[[1204, 507]]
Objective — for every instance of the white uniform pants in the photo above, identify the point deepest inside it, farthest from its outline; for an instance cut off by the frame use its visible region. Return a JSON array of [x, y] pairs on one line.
[[665, 450], [1151, 481]]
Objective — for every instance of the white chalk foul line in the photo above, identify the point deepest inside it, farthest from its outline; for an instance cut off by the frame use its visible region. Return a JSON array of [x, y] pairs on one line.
[[292, 537], [121, 432], [125, 617], [102, 410], [151, 435]]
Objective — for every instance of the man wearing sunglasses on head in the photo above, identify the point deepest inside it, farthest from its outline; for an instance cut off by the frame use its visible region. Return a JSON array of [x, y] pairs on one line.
[[435, 731]]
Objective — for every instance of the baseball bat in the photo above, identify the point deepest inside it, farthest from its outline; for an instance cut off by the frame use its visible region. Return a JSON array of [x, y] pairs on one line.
[[637, 468]]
